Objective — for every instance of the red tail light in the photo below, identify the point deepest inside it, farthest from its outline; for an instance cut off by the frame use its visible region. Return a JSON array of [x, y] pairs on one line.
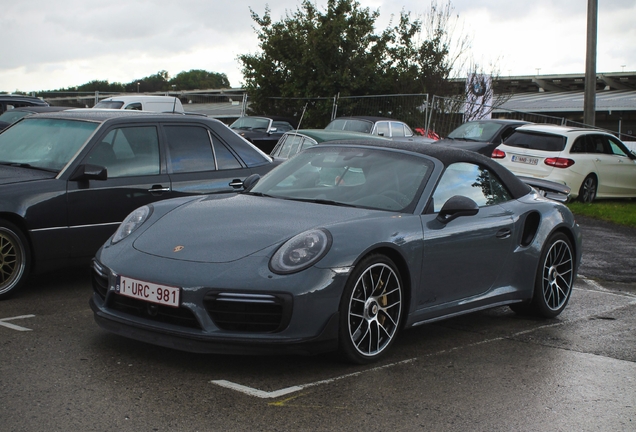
[[498, 154], [559, 162]]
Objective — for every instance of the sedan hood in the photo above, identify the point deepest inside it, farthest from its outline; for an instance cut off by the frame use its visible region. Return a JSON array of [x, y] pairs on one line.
[[222, 230], [13, 174]]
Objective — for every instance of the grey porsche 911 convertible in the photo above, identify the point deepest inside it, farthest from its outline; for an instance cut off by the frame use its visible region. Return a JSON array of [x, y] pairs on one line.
[[339, 248]]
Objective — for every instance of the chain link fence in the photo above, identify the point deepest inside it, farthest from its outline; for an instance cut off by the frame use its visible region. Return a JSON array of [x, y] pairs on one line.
[[447, 114], [435, 114]]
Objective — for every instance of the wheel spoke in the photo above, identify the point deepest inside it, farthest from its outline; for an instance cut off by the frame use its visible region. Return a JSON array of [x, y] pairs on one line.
[[361, 338], [388, 315]]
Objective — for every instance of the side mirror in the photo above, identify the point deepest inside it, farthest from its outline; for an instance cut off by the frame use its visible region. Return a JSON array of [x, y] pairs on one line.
[[455, 207], [250, 181], [90, 172], [272, 130]]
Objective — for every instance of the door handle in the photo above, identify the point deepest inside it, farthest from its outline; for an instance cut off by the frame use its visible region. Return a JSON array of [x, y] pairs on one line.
[[236, 183], [158, 189], [504, 233]]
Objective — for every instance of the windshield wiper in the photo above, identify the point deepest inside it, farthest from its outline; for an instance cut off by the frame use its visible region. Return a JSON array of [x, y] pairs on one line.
[[258, 194], [321, 201], [26, 165]]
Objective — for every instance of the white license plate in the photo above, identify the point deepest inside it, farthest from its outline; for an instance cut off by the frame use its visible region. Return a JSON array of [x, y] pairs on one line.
[[147, 291], [525, 160]]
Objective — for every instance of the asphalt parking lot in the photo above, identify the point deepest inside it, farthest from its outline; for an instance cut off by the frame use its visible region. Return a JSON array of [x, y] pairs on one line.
[[486, 371]]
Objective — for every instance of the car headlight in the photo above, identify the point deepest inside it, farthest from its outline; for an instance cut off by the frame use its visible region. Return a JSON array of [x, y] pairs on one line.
[[131, 223], [301, 251]]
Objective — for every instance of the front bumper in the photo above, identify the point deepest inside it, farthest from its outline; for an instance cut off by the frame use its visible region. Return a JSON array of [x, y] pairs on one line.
[[308, 322], [326, 341]]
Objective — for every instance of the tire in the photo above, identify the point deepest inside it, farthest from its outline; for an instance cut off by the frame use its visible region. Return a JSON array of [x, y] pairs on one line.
[[370, 310], [555, 277], [587, 192], [14, 259]]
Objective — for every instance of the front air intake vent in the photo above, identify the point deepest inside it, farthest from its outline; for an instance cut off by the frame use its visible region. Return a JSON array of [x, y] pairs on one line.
[[247, 312]]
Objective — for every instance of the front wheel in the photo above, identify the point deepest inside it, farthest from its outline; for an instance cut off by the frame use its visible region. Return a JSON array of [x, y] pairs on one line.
[[14, 259], [370, 309]]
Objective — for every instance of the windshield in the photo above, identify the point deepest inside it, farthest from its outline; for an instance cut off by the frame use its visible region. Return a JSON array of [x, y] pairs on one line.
[[251, 123], [355, 125], [476, 131], [44, 143], [13, 116], [358, 177], [109, 104]]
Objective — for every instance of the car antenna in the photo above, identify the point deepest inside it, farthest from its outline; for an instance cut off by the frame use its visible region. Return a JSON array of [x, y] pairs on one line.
[[301, 116]]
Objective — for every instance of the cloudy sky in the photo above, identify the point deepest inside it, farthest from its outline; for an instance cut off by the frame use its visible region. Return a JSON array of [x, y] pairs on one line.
[[55, 44]]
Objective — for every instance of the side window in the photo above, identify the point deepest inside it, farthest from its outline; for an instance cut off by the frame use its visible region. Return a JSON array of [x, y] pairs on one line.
[[307, 142], [598, 144], [126, 152], [472, 181], [382, 129], [189, 149], [290, 146], [136, 106], [397, 129], [224, 158], [407, 131], [579, 145], [506, 133], [616, 148]]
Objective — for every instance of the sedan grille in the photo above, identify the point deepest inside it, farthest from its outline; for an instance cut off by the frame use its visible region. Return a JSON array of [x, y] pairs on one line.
[[259, 313], [177, 316]]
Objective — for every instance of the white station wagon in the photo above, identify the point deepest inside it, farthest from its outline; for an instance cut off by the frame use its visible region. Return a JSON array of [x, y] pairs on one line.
[[593, 163]]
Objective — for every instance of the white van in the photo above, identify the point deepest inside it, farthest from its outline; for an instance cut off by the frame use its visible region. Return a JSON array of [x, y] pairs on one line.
[[142, 103]]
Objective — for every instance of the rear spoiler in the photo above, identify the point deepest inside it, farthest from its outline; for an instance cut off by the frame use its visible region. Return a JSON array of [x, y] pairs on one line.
[[549, 189]]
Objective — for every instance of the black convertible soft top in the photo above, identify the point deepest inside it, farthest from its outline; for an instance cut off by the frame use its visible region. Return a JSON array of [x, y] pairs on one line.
[[449, 155]]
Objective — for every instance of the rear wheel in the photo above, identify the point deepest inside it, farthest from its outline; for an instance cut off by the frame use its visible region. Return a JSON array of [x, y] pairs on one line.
[[370, 309], [587, 193], [14, 259]]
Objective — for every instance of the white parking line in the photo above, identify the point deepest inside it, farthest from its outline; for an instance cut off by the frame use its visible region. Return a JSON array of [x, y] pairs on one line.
[[274, 394], [277, 393], [599, 287], [4, 323]]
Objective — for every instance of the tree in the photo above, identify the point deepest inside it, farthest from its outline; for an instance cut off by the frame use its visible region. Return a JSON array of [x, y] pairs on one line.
[[199, 79], [153, 83], [310, 54]]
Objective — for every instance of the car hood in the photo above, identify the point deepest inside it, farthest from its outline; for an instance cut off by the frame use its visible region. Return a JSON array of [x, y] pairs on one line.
[[13, 174], [222, 230]]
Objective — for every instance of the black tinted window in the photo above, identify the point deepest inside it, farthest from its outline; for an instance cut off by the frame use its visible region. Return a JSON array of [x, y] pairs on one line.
[[126, 152], [190, 149], [536, 141]]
